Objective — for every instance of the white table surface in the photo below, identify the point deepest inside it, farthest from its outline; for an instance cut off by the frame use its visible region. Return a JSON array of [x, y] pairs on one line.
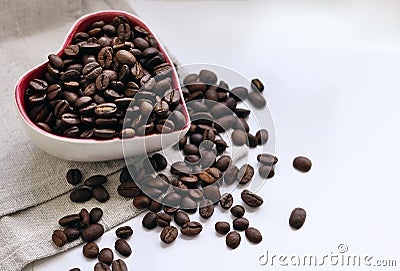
[[331, 69]]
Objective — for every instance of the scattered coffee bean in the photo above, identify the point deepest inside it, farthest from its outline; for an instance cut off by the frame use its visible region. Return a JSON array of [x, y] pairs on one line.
[[240, 224], [141, 202], [262, 136], [251, 199], [266, 171], [149, 220], [101, 194], [106, 256], [297, 218], [72, 234], [95, 180], [302, 163], [191, 228], [59, 238], [92, 232], [124, 232], [245, 174], [223, 163], [253, 235], [233, 239], [206, 208], [163, 220], [84, 217], [123, 247], [222, 227], [69, 220], [91, 250], [81, 195], [237, 210], [119, 265], [181, 218], [226, 201], [74, 176], [129, 190], [169, 234], [239, 137], [239, 93], [267, 159], [101, 267], [256, 84], [257, 99], [95, 215]]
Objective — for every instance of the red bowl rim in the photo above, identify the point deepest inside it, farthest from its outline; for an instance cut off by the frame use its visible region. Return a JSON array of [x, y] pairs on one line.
[[18, 88]]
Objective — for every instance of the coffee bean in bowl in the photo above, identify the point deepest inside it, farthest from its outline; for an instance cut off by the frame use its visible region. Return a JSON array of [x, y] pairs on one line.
[[75, 106]]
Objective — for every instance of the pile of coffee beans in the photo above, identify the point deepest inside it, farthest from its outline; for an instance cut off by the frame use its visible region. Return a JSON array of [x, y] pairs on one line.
[[85, 225], [92, 187], [112, 70]]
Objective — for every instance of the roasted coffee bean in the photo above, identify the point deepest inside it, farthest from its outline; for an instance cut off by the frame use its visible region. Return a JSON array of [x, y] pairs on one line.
[[237, 210], [179, 168], [251, 199], [253, 235], [83, 102], [105, 109], [196, 139], [69, 220], [84, 217], [240, 224], [95, 215], [105, 57], [172, 199], [239, 93], [188, 204], [71, 50], [101, 267], [163, 220], [239, 137], [297, 218], [220, 145], [241, 113], [245, 174], [208, 77], [231, 174], [59, 238], [119, 265], [251, 141], [91, 71], [56, 61], [190, 149], [206, 208], [266, 171], [210, 175], [104, 133], [262, 136], [233, 239], [226, 201], [241, 124], [257, 85], [267, 159], [169, 234], [129, 189], [160, 161], [95, 180], [74, 176], [149, 220], [141, 202], [212, 193], [302, 164], [106, 256], [192, 159], [123, 247], [91, 250], [207, 160], [127, 173], [257, 99], [191, 228], [170, 210], [101, 194], [93, 232], [72, 234], [223, 163], [196, 194], [155, 205], [69, 119], [181, 218], [222, 227], [124, 232]]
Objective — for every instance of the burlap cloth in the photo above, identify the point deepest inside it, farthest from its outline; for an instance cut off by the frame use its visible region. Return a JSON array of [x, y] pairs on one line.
[[33, 192]]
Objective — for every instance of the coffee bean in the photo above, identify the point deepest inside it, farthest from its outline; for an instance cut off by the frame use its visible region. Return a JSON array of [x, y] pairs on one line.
[[262, 136], [95, 215], [149, 220], [163, 220], [251, 140], [266, 171], [91, 250], [101, 194], [231, 174], [74, 176], [59, 238], [101, 267], [127, 173], [160, 161], [84, 217], [106, 256], [155, 205], [222, 227], [251, 199], [239, 137], [169, 234], [191, 228], [302, 164], [253, 235], [75, 269], [241, 113], [210, 175], [72, 234], [206, 208], [245, 174], [257, 99], [226, 201], [141, 202], [240, 224], [208, 77], [105, 109], [95, 180], [179, 168], [212, 193], [297, 218], [237, 210], [56, 61], [119, 265], [71, 50], [92, 232], [256, 84], [190, 149], [239, 93], [267, 159], [123, 247], [233, 239], [124, 232], [129, 189], [223, 163], [221, 146], [207, 160], [181, 218], [69, 220], [172, 199]]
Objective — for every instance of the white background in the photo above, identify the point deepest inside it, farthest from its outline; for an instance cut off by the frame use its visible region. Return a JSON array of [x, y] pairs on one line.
[[331, 69]]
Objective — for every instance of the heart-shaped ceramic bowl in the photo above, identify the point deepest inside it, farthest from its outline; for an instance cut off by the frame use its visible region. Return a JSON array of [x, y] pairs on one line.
[[89, 150]]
